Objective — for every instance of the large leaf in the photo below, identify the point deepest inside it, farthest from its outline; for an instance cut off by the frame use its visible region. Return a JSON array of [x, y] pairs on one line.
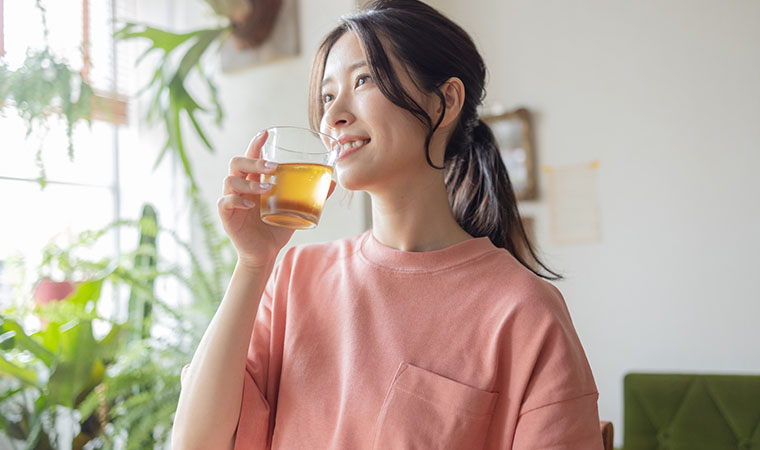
[[50, 337], [160, 39], [171, 100], [95, 378], [76, 365], [111, 344], [191, 58], [24, 342], [88, 291], [23, 374]]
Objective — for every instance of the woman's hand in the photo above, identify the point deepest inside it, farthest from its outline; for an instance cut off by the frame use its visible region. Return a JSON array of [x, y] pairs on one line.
[[256, 242]]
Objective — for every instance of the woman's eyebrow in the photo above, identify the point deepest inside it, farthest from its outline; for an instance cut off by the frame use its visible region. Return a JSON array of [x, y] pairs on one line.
[[351, 68]]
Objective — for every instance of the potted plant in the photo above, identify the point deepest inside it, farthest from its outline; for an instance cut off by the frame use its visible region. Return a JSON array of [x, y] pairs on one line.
[[127, 384], [122, 386], [50, 372]]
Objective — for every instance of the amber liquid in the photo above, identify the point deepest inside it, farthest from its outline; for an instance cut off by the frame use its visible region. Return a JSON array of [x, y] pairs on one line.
[[297, 197]]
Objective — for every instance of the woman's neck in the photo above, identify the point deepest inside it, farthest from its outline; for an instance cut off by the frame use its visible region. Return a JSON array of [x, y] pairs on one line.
[[416, 219]]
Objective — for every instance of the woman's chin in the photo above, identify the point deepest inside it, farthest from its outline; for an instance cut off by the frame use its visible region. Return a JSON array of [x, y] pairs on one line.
[[351, 180]]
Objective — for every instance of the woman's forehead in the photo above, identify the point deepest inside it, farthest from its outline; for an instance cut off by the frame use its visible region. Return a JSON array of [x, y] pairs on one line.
[[345, 55]]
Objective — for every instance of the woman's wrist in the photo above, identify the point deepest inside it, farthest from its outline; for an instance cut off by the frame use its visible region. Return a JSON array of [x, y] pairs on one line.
[[250, 264]]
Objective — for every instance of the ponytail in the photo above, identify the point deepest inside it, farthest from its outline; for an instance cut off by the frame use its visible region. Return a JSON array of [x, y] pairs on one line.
[[481, 195]]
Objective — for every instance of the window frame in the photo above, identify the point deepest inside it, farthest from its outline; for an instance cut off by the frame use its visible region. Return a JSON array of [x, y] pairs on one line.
[[2, 31], [107, 106]]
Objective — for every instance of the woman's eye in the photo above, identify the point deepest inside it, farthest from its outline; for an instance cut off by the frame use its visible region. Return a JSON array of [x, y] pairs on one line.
[[362, 80], [326, 98]]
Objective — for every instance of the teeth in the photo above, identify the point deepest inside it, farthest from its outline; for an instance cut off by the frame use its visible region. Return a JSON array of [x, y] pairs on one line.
[[354, 144]]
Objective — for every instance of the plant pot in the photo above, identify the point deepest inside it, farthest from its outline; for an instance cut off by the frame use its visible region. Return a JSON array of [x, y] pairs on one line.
[[48, 290]]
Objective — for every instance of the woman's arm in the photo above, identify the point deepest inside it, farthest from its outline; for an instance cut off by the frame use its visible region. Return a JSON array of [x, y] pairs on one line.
[[209, 404], [212, 388]]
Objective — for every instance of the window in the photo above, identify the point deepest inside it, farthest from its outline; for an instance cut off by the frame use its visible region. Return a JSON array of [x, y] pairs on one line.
[[81, 194], [111, 175]]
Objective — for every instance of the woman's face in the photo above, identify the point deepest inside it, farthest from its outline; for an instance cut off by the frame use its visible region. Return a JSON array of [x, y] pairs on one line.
[[383, 145]]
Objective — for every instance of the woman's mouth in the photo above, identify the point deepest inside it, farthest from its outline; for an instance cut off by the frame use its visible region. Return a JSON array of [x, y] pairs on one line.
[[351, 147]]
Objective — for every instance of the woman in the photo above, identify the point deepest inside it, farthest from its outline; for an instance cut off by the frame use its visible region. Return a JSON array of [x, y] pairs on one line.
[[433, 330]]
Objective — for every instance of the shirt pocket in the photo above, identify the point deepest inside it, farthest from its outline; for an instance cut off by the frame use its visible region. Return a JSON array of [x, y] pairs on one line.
[[423, 410]]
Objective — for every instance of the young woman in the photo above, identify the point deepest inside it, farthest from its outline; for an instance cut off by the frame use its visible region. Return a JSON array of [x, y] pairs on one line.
[[434, 330]]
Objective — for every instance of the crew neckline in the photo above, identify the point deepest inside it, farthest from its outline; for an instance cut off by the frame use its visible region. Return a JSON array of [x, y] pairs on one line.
[[379, 254]]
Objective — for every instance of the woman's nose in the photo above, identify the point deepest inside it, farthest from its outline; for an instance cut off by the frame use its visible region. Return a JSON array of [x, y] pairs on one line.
[[338, 115]]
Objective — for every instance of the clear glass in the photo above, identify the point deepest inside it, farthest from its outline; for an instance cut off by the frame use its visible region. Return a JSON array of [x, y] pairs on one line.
[[306, 160]]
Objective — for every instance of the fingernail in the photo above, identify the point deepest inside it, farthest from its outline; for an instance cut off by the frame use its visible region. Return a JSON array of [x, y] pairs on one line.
[[259, 134], [248, 203], [265, 185], [270, 164]]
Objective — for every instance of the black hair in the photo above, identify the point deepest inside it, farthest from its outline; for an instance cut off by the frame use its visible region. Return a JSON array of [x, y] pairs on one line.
[[435, 49]]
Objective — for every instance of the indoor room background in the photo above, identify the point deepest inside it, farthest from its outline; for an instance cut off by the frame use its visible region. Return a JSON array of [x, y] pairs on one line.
[[654, 104]]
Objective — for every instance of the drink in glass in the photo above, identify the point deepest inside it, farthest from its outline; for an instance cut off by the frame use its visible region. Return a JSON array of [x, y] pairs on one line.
[[302, 179]]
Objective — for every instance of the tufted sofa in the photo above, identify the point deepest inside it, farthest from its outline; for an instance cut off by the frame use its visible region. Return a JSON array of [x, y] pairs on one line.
[[691, 412]]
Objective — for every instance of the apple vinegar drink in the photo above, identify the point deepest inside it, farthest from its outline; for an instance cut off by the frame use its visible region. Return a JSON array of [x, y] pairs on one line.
[[300, 184], [297, 196]]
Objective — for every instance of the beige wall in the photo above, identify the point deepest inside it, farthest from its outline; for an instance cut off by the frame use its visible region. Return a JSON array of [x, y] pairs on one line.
[[666, 95]]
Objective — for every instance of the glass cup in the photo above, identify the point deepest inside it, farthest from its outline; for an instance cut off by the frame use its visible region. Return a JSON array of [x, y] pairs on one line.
[[305, 162]]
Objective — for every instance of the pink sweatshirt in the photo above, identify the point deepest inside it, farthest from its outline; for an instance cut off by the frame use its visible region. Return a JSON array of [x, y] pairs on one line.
[[361, 346]]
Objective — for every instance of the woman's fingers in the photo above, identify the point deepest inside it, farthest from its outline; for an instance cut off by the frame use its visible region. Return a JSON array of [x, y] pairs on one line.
[[254, 147], [236, 185], [251, 164], [241, 166], [231, 202]]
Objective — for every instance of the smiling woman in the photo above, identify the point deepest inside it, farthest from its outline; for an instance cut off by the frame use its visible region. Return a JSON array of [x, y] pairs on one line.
[[435, 329], [356, 110]]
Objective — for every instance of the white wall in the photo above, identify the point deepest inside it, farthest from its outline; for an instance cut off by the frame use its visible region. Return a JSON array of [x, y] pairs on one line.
[[666, 95]]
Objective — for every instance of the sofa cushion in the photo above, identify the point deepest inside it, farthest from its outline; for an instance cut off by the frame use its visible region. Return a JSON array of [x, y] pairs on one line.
[[691, 412]]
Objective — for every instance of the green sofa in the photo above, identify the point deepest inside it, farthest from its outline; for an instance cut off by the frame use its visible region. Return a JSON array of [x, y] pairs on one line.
[[691, 412]]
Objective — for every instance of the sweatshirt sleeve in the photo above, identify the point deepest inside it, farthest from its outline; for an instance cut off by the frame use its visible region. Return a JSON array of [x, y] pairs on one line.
[[261, 379], [566, 425], [557, 400]]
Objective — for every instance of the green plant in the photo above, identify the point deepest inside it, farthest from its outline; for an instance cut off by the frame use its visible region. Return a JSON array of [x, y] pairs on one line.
[[134, 400], [45, 88], [139, 304], [249, 22], [170, 99], [131, 390], [147, 376], [42, 89], [54, 369]]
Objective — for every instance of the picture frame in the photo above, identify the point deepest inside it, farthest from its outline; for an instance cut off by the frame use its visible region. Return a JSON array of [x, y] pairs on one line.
[[282, 42], [513, 131]]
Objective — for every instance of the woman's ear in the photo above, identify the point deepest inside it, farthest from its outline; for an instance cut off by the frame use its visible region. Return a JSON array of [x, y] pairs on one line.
[[453, 95]]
